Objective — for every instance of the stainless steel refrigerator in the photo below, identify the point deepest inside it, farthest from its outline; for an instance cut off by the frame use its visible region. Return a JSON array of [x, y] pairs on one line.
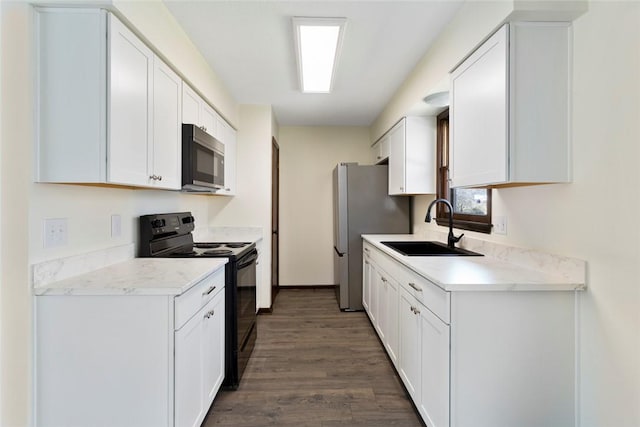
[[361, 205]]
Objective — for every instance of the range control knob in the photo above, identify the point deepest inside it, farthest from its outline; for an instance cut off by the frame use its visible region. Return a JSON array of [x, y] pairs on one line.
[[157, 223]]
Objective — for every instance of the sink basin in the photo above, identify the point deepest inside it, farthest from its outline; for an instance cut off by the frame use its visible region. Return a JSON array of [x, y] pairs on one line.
[[427, 248]]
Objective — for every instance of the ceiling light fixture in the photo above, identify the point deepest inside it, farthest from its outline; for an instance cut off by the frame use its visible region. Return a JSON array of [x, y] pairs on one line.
[[318, 42]]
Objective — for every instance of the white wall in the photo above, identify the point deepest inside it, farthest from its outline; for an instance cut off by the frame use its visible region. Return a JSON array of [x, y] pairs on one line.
[[308, 156], [251, 207], [595, 218], [88, 209]]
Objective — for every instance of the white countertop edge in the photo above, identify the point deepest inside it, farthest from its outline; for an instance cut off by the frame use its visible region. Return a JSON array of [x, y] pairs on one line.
[[542, 281], [144, 276]]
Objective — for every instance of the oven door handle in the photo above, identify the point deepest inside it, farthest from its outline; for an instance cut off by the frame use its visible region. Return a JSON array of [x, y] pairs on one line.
[[247, 260]]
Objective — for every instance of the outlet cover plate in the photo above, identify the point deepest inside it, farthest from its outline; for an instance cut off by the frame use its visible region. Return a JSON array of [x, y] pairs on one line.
[[55, 232]]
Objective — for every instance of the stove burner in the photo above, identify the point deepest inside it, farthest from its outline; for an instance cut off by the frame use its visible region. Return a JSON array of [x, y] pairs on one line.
[[207, 245], [236, 245], [217, 252]]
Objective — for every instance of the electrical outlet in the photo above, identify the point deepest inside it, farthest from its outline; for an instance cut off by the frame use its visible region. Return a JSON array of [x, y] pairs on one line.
[[116, 225], [500, 224], [55, 232]]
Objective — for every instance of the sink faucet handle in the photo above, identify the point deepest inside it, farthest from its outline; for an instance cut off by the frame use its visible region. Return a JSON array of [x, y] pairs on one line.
[[457, 239]]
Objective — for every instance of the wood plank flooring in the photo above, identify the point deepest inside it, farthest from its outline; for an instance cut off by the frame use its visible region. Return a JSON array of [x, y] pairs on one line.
[[315, 366]]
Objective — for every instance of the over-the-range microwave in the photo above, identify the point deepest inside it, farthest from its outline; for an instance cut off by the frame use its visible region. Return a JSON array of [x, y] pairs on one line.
[[202, 160]]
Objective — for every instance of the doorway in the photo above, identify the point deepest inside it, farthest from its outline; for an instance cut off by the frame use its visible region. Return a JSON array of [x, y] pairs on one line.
[[275, 220]]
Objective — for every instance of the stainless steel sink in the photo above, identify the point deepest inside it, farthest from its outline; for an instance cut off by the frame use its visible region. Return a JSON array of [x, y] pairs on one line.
[[427, 248]]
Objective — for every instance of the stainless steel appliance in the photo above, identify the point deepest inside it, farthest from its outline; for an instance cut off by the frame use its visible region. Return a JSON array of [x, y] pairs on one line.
[[169, 235], [361, 206], [202, 160]]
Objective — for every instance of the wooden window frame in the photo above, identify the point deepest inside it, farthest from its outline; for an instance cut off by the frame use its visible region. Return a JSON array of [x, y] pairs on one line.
[[479, 223]]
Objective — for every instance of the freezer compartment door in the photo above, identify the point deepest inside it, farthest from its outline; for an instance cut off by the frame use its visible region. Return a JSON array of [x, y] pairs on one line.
[[341, 278]]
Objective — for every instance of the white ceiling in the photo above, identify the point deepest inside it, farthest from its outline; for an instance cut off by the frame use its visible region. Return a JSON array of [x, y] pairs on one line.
[[249, 45]]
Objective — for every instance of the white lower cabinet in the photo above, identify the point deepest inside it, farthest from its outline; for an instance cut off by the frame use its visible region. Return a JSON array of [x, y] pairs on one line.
[[434, 375], [475, 358], [129, 360], [199, 363], [409, 361]]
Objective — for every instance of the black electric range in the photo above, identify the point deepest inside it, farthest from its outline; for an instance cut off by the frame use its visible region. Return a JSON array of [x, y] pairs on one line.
[[170, 235]]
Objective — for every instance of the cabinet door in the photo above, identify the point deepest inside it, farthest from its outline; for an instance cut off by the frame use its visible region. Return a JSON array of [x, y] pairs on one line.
[[397, 155], [189, 379], [366, 284], [381, 319], [214, 345], [166, 152], [190, 106], [391, 319], [434, 383], [228, 137], [409, 357], [479, 134], [373, 301], [208, 119], [130, 133]]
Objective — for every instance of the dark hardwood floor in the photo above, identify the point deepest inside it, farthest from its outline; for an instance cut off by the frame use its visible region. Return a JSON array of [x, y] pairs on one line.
[[315, 366]]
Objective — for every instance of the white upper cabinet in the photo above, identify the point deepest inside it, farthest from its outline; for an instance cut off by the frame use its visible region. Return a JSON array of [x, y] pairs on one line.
[[167, 126], [99, 91], [197, 111], [228, 136], [510, 108], [380, 150], [412, 156], [130, 104]]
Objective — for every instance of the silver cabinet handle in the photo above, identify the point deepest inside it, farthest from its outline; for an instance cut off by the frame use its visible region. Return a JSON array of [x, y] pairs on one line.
[[210, 314], [414, 286], [366, 249], [384, 279], [415, 310], [208, 291], [153, 177], [159, 177], [366, 262]]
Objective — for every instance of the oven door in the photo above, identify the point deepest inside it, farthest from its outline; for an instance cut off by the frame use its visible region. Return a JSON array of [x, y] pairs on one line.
[[203, 160], [246, 303]]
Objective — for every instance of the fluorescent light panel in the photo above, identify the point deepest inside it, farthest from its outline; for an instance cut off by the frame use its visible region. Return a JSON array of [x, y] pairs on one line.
[[318, 42]]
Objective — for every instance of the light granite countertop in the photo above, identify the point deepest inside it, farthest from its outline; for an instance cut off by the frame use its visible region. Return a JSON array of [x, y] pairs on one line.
[[488, 273], [138, 276]]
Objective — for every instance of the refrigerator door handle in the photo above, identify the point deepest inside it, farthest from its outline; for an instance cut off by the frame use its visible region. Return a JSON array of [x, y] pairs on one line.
[[340, 254]]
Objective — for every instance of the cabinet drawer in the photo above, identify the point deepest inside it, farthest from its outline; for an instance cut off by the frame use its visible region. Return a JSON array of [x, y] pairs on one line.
[[433, 297], [188, 304]]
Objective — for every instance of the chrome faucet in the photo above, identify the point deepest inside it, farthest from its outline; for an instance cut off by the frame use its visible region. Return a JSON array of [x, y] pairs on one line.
[[451, 239]]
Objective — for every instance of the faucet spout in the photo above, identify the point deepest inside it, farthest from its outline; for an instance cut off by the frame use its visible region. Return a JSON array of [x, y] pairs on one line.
[[451, 238]]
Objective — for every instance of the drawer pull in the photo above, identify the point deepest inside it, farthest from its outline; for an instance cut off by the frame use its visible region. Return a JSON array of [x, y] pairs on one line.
[[208, 291], [414, 286], [384, 280], [366, 249], [209, 314]]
